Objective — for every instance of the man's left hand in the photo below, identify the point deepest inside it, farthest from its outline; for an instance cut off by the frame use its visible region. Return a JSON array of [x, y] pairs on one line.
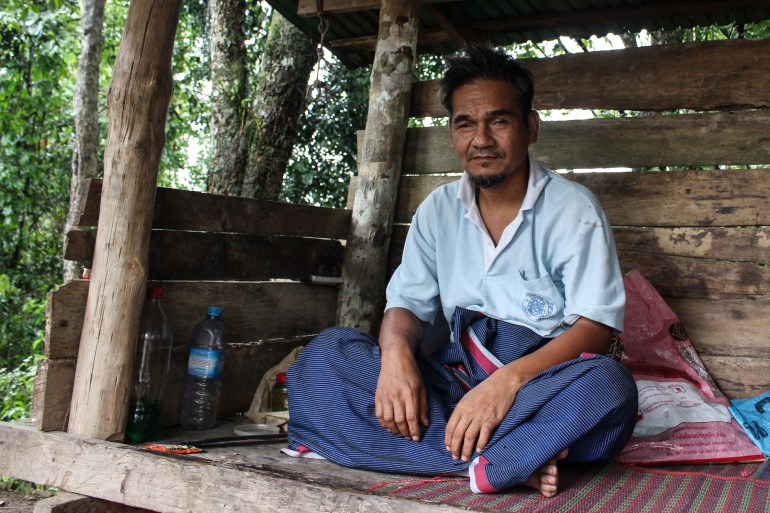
[[479, 413]]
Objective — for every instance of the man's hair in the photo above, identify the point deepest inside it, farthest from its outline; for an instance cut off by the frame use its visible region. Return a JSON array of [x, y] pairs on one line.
[[479, 62]]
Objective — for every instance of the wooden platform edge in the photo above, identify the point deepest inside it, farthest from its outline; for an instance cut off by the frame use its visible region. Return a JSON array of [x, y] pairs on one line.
[[138, 478]]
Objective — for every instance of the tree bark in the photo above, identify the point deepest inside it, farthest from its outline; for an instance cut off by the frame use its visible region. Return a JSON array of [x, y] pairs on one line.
[[288, 59], [229, 78], [138, 101], [364, 271], [86, 115]]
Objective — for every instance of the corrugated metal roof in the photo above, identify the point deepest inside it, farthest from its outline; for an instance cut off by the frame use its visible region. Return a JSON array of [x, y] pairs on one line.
[[352, 33]]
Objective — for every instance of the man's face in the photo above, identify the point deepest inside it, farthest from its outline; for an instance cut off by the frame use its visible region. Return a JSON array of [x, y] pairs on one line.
[[489, 133]]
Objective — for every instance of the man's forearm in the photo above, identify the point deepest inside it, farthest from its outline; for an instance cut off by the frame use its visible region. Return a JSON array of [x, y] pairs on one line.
[[400, 330], [400, 402], [585, 336]]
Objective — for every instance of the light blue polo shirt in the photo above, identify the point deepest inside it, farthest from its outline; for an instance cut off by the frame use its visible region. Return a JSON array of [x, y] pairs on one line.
[[554, 263]]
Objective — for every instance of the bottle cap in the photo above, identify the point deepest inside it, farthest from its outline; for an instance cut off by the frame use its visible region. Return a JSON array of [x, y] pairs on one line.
[[280, 377], [156, 292], [213, 311]]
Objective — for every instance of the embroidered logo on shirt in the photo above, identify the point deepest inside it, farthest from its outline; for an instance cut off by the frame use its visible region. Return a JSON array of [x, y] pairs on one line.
[[538, 307]]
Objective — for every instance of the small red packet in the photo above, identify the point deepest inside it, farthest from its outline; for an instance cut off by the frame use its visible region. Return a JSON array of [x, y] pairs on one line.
[[172, 448]]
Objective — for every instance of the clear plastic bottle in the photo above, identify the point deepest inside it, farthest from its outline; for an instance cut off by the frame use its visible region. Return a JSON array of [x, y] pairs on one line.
[[204, 372], [153, 353]]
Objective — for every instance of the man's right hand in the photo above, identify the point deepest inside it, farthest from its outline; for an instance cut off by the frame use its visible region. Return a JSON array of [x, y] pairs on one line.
[[400, 403]]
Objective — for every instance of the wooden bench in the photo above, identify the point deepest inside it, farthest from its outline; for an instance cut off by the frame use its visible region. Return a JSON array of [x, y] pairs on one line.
[[694, 222]]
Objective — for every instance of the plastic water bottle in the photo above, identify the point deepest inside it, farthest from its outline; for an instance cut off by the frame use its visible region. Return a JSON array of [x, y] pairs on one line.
[[153, 353], [204, 372]]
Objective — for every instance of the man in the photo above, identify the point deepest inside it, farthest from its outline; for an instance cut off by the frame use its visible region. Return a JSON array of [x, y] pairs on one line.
[[522, 264]]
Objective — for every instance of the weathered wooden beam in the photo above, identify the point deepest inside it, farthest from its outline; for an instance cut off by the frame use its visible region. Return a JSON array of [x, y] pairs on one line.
[[138, 101], [698, 76], [698, 278], [185, 255], [360, 298], [265, 483], [720, 198], [725, 138], [310, 7], [617, 14], [217, 213], [737, 244], [736, 328], [52, 394], [457, 30], [65, 502], [678, 276], [251, 310], [739, 377], [576, 21]]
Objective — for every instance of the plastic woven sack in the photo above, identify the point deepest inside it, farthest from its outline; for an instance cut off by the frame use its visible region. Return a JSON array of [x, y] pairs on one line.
[[683, 417]]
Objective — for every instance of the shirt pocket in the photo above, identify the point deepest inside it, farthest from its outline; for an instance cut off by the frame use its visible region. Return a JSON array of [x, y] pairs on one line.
[[539, 301]]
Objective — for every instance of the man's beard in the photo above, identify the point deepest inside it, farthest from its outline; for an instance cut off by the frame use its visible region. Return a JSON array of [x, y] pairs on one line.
[[485, 182]]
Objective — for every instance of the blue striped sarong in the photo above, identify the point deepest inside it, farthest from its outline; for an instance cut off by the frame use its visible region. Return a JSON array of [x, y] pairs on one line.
[[588, 405]]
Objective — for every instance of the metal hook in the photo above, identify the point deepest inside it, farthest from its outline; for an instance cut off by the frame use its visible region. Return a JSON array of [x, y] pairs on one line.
[[323, 28]]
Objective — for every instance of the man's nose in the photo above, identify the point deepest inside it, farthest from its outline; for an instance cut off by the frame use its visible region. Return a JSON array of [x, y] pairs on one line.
[[482, 137]]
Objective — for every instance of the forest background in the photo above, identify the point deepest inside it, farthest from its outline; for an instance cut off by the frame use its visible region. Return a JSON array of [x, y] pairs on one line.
[[235, 126]]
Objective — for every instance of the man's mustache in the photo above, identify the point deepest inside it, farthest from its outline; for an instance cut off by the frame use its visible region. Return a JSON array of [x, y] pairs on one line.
[[485, 153]]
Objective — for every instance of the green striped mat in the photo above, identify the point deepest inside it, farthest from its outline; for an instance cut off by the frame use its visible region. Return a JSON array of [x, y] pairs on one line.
[[615, 488]]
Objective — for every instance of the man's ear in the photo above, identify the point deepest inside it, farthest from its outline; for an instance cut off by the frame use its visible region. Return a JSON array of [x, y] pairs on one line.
[[533, 125]]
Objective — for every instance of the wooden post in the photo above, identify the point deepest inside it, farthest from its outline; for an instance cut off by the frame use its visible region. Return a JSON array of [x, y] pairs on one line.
[[361, 297], [138, 99]]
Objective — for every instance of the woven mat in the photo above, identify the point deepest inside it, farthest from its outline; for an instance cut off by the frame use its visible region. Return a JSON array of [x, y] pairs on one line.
[[615, 488]]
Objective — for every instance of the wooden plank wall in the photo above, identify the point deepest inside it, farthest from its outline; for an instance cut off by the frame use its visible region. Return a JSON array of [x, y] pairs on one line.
[[700, 236], [243, 255]]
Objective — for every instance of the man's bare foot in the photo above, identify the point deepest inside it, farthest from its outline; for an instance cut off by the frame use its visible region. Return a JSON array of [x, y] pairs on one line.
[[546, 478]]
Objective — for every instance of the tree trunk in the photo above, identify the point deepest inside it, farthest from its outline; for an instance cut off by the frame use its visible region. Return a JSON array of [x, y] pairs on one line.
[[86, 114], [138, 102], [229, 78], [288, 59], [363, 289]]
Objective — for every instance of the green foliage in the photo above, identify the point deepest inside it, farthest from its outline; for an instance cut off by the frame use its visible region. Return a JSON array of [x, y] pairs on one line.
[[16, 389], [324, 156], [38, 50], [719, 32], [325, 153], [184, 163]]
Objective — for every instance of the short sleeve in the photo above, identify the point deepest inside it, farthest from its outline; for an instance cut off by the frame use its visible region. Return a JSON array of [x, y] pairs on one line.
[[414, 285], [590, 271]]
